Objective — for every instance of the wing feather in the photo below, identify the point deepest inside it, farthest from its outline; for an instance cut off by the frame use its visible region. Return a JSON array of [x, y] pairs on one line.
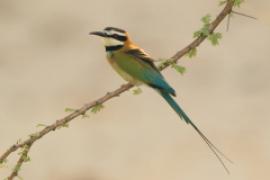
[[141, 66]]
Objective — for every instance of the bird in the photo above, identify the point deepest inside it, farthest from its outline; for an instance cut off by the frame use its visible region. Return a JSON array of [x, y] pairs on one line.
[[134, 65]]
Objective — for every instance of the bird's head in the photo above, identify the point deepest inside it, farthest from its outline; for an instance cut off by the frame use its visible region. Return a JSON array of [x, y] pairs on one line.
[[113, 38]]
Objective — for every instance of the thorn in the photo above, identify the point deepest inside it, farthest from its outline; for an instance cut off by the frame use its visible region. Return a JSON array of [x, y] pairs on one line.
[[109, 94], [245, 15]]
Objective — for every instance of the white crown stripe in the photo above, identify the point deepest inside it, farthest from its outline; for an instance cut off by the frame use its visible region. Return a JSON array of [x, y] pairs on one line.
[[111, 32]]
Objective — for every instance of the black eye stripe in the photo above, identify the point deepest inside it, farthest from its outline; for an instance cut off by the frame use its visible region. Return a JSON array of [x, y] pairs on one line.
[[118, 37]]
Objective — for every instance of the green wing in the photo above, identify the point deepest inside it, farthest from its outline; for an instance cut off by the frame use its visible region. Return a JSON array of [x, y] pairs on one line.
[[141, 67]]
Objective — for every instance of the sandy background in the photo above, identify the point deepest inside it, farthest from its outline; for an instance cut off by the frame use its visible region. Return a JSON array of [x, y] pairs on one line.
[[48, 62]]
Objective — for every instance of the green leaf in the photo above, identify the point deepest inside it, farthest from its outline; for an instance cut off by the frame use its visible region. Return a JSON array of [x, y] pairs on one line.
[[97, 108], [69, 109], [163, 60], [137, 91], [20, 178], [192, 52], [178, 68], [238, 2], [17, 168], [66, 125], [21, 151], [163, 63], [3, 162], [26, 158], [204, 31], [41, 125], [206, 19], [34, 135], [214, 38], [197, 34]]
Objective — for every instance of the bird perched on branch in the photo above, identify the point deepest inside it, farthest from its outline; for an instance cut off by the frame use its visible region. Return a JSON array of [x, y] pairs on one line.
[[137, 67]]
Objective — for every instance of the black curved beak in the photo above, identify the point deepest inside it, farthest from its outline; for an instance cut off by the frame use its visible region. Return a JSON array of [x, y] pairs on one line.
[[98, 33]]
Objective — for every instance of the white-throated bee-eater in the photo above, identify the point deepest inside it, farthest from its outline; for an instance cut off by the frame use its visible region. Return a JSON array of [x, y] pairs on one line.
[[137, 67]]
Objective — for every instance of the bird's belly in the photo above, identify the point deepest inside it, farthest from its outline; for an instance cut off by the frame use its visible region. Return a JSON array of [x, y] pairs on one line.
[[123, 74]]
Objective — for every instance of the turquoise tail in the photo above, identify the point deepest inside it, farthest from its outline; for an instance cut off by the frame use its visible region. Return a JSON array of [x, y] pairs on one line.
[[184, 117], [175, 107]]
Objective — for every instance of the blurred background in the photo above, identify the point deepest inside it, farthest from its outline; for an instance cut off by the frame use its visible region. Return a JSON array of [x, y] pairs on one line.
[[49, 62]]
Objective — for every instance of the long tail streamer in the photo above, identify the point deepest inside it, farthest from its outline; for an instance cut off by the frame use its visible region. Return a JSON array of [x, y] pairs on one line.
[[183, 116]]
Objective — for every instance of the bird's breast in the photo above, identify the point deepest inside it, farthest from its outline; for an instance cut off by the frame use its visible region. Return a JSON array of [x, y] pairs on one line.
[[113, 62]]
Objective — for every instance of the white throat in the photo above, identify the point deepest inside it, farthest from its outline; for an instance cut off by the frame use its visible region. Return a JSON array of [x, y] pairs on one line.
[[112, 42]]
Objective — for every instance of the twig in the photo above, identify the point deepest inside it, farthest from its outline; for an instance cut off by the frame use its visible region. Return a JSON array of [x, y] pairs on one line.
[[226, 10], [228, 22], [65, 120], [245, 15], [62, 122], [23, 158]]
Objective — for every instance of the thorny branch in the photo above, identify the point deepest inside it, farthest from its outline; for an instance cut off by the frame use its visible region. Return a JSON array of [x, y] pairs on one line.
[[23, 158], [27, 144]]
